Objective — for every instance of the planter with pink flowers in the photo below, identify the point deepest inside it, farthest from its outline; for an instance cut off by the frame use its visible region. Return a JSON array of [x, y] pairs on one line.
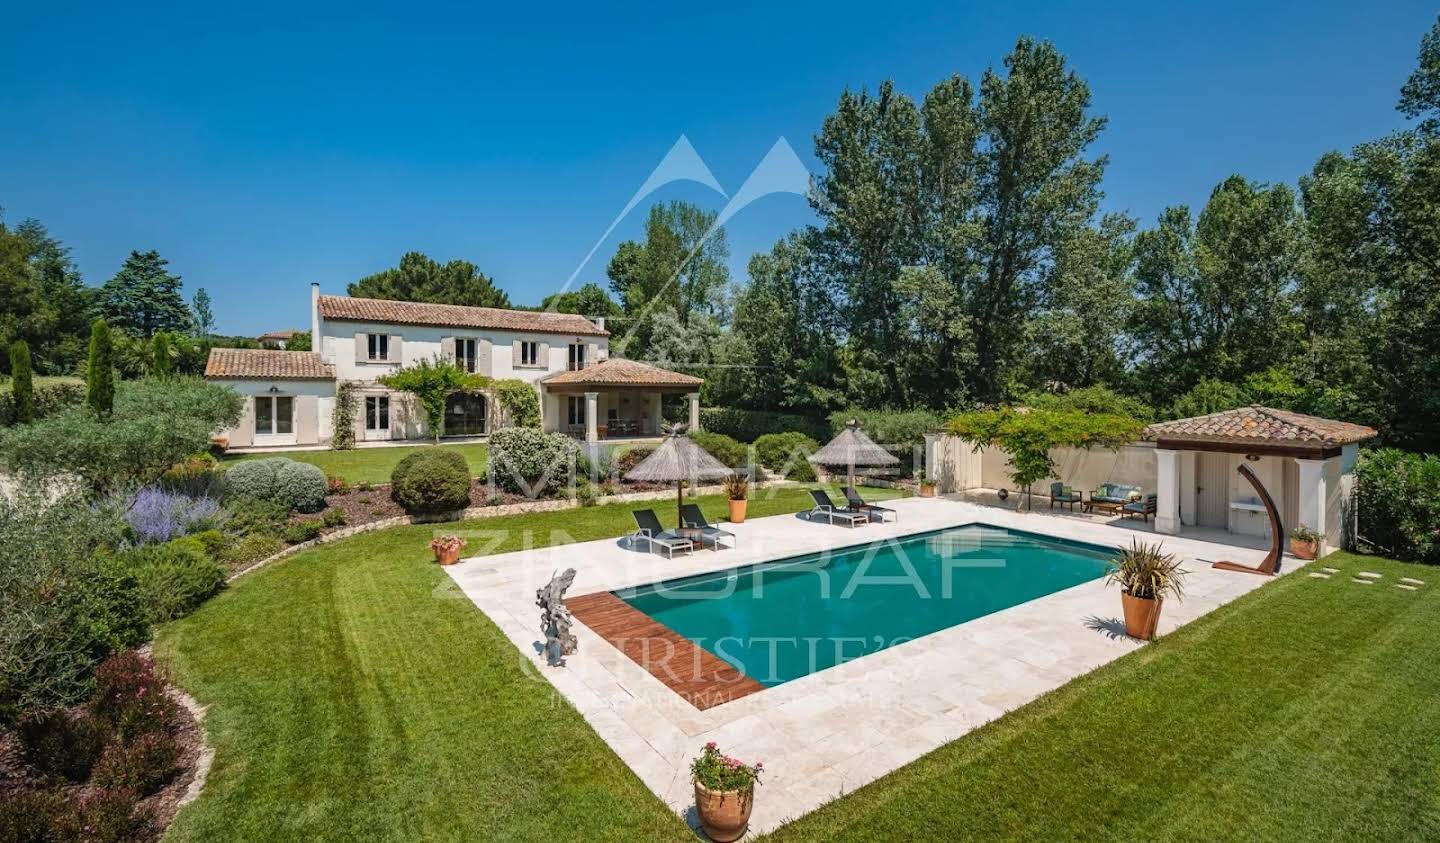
[[724, 793]]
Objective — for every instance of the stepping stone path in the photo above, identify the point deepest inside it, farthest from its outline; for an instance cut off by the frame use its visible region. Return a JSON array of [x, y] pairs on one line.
[[1331, 570], [1411, 581], [1407, 587], [1369, 575], [1363, 582], [1319, 576]]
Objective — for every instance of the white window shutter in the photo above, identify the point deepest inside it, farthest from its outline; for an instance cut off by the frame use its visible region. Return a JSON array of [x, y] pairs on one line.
[[362, 348], [447, 349], [592, 354], [515, 358], [542, 355], [395, 349], [482, 357]]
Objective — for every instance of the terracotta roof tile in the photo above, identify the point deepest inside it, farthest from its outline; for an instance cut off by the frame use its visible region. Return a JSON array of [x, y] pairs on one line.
[[265, 363], [1261, 424], [618, 371], [350, 309]]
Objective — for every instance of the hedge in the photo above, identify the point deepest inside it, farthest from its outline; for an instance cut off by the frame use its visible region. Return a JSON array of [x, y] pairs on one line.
[[429, 482], [51, 396], [1397, 494], [787, 453], [721, 447], [749, 425], [900, 431]]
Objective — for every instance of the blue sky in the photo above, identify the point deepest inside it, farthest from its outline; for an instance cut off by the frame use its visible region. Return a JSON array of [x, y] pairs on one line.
[[266, 147]]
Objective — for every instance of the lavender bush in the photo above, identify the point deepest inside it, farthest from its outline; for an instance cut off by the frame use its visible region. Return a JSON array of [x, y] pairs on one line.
[[155, 515]]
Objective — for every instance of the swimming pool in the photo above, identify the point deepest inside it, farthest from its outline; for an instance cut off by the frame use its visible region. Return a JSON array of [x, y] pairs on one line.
[[778, 621]]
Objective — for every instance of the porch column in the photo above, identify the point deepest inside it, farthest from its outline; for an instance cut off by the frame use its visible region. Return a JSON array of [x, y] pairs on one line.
[[1313, 498], [1167, 491], [592, 413], [694, 410], [930, 464]]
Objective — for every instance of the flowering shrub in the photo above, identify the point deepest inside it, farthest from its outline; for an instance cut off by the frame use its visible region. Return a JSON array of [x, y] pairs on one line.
[[718, 771], [531, 462], [155, 515], [336, 484], [144, 763], [130, 697], [447, 544]]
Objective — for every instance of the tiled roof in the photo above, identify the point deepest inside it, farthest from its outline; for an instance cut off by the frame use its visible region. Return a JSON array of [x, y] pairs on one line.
[[267, 364], [279, 335], [618, 371], [1261, 424], [455, 316]]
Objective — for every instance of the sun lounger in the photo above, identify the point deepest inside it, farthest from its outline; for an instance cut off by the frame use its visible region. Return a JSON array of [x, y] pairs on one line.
[[695, 520], [833, 513], [654, 535], [877, 513]]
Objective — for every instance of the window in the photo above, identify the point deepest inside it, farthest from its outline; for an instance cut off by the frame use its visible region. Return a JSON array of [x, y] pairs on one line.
[[274, 415], [529, 354], [379, 348], [465, 354], [577, 408], [577, 356], [377, 412]]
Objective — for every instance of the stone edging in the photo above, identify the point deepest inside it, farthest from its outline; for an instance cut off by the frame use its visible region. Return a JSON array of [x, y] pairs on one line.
[[476, 513]]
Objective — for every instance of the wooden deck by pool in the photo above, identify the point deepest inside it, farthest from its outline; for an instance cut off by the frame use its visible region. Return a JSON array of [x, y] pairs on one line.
[[700, 677]]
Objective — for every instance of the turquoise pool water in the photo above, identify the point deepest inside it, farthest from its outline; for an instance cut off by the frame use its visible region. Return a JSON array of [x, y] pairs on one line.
[[781, 620]]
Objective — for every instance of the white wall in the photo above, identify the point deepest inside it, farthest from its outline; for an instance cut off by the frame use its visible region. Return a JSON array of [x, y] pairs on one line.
[[960, 467], [314, 408], [424, 342]]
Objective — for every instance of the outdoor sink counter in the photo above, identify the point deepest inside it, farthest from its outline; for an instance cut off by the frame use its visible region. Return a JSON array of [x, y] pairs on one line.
[[838, 729]]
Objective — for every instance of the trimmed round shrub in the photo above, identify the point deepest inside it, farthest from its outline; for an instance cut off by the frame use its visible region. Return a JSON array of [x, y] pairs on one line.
[[787, 453], [721, 447], [301, 485], [431, 481], [174, 578], [298, 485], [531, 462]]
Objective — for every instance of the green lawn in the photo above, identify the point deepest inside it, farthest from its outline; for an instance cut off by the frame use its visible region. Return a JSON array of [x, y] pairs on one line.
[[353, 693], [372, 465], [1303, 711]]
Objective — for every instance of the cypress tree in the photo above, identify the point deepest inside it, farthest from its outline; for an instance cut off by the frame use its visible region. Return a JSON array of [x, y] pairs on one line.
[[22, 386], [161, 344], [100, 379]]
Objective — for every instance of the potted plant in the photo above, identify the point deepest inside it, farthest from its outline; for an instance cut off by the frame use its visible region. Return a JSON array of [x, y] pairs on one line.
[[1146, 576], [724, 793], [1305, 542], [927, 485], [737, 489], [447, 549]]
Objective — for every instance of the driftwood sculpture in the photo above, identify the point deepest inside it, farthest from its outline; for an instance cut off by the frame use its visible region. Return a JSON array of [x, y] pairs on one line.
[[555, 618], [1271, 565]]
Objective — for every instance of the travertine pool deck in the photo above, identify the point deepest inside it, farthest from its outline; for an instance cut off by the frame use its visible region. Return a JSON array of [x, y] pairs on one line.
[[834, 731]]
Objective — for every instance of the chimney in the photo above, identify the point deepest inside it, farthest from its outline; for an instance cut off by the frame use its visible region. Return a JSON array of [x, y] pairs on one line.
[[600, 322], [315, 342]]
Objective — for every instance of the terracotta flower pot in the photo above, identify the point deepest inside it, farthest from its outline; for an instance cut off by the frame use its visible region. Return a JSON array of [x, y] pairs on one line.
[[724, 814], [447, 557], [1303, 549], [737, 511], [927, 490], [1142, 615]]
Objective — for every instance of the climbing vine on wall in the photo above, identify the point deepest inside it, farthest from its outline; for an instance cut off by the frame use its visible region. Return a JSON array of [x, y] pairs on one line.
[[343, 438], [519, 401]]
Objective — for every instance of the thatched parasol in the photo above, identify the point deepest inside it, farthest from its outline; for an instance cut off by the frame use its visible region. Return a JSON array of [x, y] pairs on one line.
[[677, 460], [851, 448]]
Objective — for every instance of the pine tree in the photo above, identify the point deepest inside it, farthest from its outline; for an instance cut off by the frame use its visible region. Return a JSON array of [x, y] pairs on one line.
[[22, 386], [100, 379], [161, 350], [144, 298]]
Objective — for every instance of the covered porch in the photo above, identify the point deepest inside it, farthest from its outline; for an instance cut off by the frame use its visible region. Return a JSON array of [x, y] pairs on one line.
[[614, 399], [1305, 464]]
